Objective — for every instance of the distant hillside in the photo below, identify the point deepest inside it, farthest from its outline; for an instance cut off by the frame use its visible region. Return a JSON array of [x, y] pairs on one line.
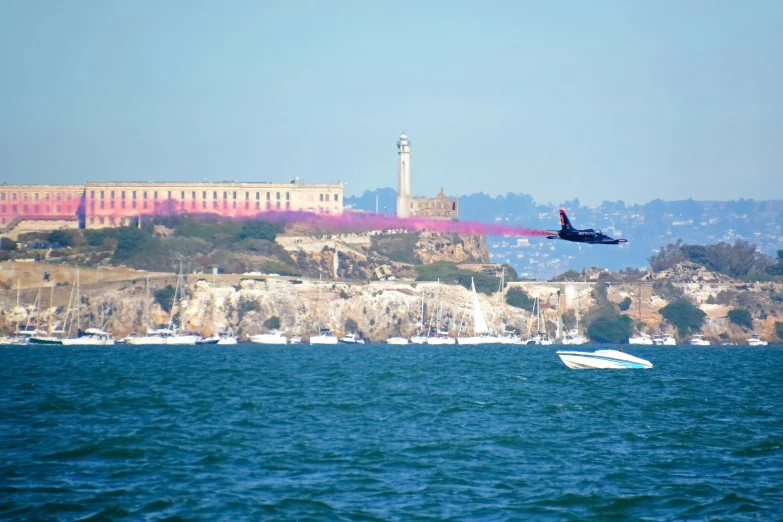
[[648, 228]]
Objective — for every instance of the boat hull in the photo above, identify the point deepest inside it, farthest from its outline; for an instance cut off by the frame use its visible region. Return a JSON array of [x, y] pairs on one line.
[[323, 339], [441, 340], [646, 341], [397, 340], [46, 341], [602, 360], [478, 340], [86, 341]]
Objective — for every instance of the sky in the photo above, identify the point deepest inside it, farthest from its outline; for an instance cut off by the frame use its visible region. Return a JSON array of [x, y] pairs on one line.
[[598, 100]]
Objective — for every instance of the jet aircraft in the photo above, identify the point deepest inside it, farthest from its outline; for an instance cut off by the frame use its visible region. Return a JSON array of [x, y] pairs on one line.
[[569, 233]]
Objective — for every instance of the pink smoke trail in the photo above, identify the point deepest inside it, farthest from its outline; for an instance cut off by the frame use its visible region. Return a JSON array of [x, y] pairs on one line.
[[364, 222]]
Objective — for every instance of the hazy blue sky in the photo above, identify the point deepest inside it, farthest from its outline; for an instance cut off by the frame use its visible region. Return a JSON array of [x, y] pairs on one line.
[[589, 99]]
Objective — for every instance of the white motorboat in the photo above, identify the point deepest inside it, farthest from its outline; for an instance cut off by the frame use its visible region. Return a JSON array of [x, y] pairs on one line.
[[419, 339], [699, 340], [90, 337], [397, 340], [642, 338], [542, 338], [226, 339], [184, 340], [212, 339], [602, 359], [295, 339], [351, 338], [324, 337], [273, 337], [152, 337], [755, 340], [664, 340], [573, 337]]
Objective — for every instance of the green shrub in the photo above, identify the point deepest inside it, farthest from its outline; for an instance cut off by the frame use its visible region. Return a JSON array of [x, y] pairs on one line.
[[7, 245], [779, 329], [684, 316], [283, 269], [625, 304], [741, 318], [273, 323], [397, 247], [517, 298], [449, 273], [254, 229], [610, 328], [165, 297]]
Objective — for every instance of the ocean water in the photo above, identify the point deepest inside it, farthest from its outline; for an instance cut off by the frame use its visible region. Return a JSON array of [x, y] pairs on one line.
[[388, 433]]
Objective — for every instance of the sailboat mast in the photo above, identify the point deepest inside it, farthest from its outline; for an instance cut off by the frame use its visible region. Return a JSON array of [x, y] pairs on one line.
[[51, 305], [78, 302]]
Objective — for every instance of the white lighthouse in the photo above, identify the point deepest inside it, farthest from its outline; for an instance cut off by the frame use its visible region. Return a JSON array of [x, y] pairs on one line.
[[404, 177]]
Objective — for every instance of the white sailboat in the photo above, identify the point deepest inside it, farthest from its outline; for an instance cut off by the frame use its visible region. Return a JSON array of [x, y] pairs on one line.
[[39, 337], [420, 338], [17, 338], [175, 337], [90, 336], [541, 337], [642, 338], [153, 336], [573, 337], [437, 335], [480, 329]]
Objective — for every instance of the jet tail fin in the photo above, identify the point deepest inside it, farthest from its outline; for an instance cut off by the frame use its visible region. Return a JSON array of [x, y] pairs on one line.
[[565, 223]]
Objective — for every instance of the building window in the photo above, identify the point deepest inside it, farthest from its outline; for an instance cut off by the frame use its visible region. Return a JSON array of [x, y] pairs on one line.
[[2, 196], [287, 205], [192, 205], [247, 205], [92, 221], [46, 196], [287, 196], [278, 196], [335, 197], [122, 221], [145, 204], [92, 206], [57, 208], [214, 204], [204, 205], [169, 194], [234, 195], [277, 205], [247, 195], [111, 204], [111, 194], [133, 204], [268, 196], [321, 197], [214, 195], [101, 194], [225, 195], [101, 204], [192, 195], [145, 195], [258, 195], [100, 221], [92, 194], [13, 208], [258, 205], [268, 205], [58, 196], [123, 203], [36, 196], [234, 204], [204, 194]]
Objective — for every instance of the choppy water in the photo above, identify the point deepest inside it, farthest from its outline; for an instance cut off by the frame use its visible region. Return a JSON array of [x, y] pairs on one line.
[[388, 433]]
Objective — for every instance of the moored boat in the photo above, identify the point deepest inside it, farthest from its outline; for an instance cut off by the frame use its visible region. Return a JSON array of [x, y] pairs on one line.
[[324, 337], [397, 340], [602, 359], [351, 338], [642, 339], [273, 337], [664, 340], [755, 340], [698, 340]]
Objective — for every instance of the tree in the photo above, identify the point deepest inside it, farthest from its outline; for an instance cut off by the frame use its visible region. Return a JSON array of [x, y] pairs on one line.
[[130, 242], [741, 318], [569, 320], [684, 316], [61, 237], [165, 297], [273, 323], [610, 328], [625, 304], [7, 244], [517, 298], [254, 229]]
